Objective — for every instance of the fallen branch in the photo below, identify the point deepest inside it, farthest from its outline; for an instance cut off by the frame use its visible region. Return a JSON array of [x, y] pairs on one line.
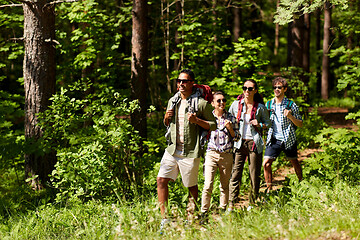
[[17, 39]]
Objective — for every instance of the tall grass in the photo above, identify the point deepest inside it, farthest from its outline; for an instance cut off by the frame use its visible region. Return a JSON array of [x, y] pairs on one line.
[[306, 210]]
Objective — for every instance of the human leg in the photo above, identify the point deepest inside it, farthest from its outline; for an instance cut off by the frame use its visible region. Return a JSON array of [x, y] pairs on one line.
[[168, 171], [210, 170], [163, 193], [272, 151], [237, 170], [225, 168], [297, 168], [254, 171]]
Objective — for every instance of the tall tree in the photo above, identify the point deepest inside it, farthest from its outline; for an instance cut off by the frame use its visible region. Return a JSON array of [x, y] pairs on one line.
[[39, 80], [139, 63], [325, 59]]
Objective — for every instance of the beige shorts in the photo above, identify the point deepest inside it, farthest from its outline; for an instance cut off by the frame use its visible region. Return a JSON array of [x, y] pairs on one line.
[[170, 167]]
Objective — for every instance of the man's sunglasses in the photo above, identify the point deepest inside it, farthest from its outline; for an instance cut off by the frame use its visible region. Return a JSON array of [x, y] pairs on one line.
[[221, 100], [278, 87], [183, 80], [247, 88]]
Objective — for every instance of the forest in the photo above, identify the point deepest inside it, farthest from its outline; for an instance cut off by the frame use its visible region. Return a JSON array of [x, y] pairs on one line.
[[84, 86]]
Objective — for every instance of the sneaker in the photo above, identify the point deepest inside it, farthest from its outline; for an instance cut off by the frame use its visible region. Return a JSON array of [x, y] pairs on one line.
[[163, 224], [203, 218]]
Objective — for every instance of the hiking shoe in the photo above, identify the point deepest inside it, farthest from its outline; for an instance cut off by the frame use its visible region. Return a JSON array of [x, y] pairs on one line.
[[203, 218], [163, 224]]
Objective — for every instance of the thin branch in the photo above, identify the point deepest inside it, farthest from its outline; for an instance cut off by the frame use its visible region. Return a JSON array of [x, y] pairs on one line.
[[17, 39], [52, 41], [59, 1], [11, 5]]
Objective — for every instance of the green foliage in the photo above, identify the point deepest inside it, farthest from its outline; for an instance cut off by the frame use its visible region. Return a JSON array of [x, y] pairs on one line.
[[306, 135], [11, 135], [92, 43], [288, 8], [203, 39], [340, 159], [97, 148], [246, 62]]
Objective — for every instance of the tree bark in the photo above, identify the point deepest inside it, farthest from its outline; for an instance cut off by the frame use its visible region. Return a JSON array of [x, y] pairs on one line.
[[139, 63], [277, 33], [318, 48], [296, 44], [39, 82], [237, 15], [325, 59]]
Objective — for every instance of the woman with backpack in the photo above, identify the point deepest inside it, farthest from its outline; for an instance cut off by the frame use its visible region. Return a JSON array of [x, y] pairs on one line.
[[253, 117]]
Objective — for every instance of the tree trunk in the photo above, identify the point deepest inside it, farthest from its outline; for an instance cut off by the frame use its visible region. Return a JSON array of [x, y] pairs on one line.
[[306, 53], [39, 82], [325, 60], [277, 33], [216, 61], [256, 19], [318, 48], [236, 23], [296, 56], [139, 59]]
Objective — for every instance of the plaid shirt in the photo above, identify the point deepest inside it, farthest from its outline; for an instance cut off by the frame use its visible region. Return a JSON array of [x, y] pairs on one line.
[[287, 125], [220, 139]]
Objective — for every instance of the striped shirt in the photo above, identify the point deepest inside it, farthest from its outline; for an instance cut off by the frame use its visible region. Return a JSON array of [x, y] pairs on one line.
[[220, 139]]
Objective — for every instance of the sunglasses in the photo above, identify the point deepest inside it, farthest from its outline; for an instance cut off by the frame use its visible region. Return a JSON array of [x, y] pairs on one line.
[[247, 88], [183, 80], [221, 100], [278, 87]]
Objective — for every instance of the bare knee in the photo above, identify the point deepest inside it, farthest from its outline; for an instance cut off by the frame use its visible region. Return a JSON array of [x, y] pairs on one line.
[[267, 162], [162, 182]]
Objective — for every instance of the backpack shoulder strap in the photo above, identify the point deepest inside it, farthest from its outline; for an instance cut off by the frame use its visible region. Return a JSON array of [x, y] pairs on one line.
[[240, 107], [289, 104], [253, 110]]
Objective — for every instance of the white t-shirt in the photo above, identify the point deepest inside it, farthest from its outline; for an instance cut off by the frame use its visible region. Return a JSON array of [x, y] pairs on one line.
[[247, 131], [180, 125], [278, 133]]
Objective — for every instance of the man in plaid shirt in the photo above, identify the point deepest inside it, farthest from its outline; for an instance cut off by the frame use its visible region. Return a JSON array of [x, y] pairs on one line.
[[285, 117]]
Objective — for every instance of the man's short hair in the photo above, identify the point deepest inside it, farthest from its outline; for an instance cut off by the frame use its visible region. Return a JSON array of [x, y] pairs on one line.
[[190, 73], [281, 80]]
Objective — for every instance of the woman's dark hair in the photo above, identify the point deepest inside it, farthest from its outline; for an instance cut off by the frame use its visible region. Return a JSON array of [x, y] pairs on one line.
[[257, 96], [190, 73], [219, 93]]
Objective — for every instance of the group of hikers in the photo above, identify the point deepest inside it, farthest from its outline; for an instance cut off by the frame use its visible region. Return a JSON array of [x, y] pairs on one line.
[[235, 135]]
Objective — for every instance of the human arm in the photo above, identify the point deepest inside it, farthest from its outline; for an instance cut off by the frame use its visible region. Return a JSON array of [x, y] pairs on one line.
[[293, 115], [297, 122], [168, 115], [204, 117]]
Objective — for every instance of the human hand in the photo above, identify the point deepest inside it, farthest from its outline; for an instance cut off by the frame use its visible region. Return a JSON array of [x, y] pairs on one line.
[[287, 113], [254, 122], [228, 124], [192, 118], [169, 113]]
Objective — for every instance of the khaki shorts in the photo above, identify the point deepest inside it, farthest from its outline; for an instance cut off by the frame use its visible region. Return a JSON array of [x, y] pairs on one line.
[[170, 167]]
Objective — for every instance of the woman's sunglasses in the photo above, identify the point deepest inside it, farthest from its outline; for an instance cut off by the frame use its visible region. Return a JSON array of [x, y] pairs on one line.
[[247, 88], [221, 100]]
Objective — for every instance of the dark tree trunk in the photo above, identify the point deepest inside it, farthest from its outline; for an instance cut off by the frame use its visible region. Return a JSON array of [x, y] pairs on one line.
[[216, 60], [296, 44], [139, 59], [39, 82], [306, 52], [277, 33], [237, 15], [325, 60], [318, 48], [256, 20]]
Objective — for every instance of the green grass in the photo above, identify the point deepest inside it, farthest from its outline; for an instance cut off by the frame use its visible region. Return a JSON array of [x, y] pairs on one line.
[[306, 210]]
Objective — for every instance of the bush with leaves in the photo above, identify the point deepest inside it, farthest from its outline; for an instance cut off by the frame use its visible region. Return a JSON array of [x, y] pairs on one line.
[[244, 63], [340, 159], [95, 143]]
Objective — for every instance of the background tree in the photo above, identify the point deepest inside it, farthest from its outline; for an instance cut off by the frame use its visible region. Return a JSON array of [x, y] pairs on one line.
[[139, 59]]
